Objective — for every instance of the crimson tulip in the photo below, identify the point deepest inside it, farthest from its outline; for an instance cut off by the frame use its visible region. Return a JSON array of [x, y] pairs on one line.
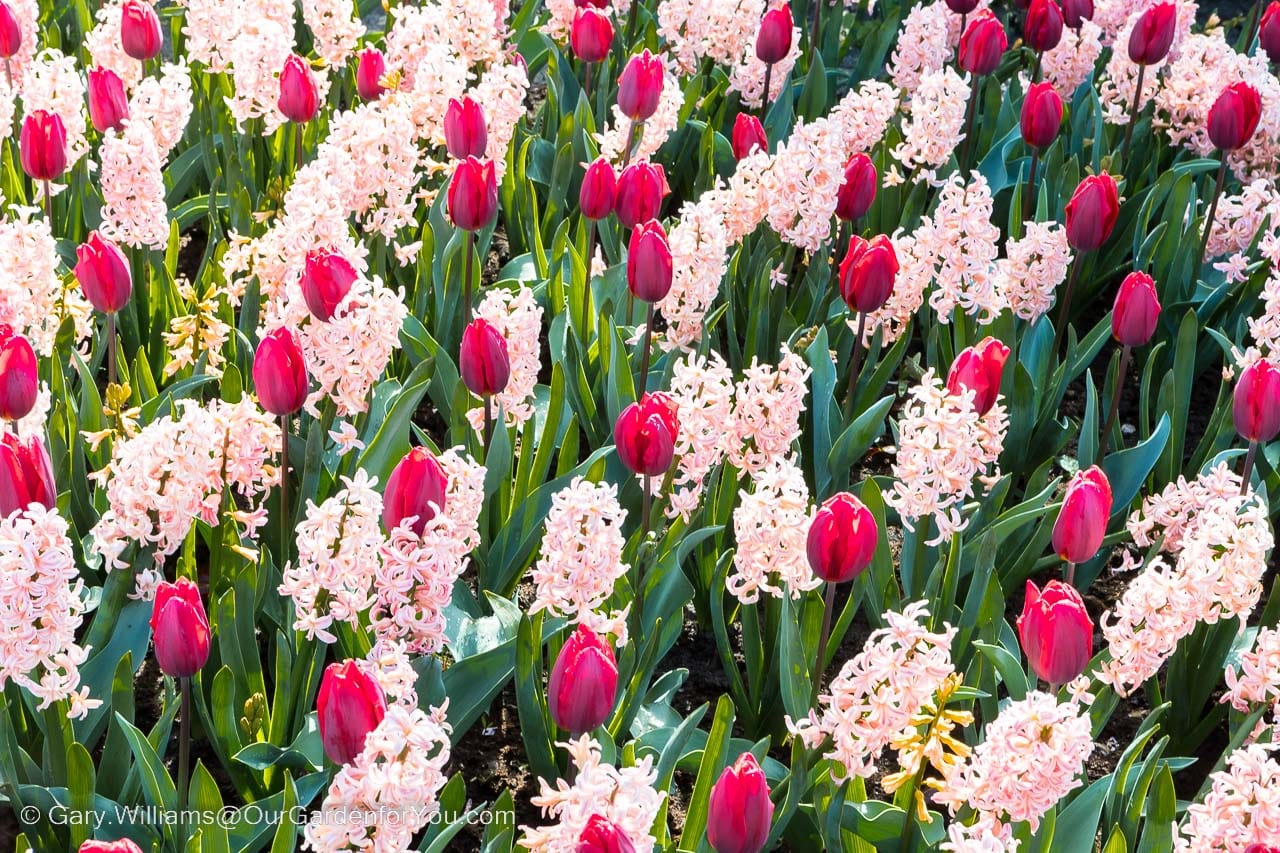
[[982, 44], [370, 69], [640, 86], [1258, 847], [583, 682], [641, 188], [591, 34], [599, 190], [1043, 28], [1137, 309], [1269, 31], [1256, 402], [103, 273], [649, 264], [180, 629], [140, 30], [858, 189], [962, 7], [842, 538], [327, 277], [280, 373], [349, 705], [748, 136], [10, 31], [645, 434], [42, 148], [1234, 116], [1076, 12], [739, 812], [124, 845], [980, 369], [26, 474], [299, 98], [416, 489], [1041, 115], [465, 133], [1082, 521], [483, 360], [473, 194], [867, 273], [591, 4], [1056, 632], [1152, 34], [602, 835], [18, 377], [773, 40], [1092, 212], [108, 103]]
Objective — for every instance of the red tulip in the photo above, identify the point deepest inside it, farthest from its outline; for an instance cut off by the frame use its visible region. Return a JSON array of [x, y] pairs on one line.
[[1082, 521], [867, 273], [1043, 28], [842, 538], [349, 706], [280, 373], [645, 434], [1041, 115], [180, 629], [108, 104], [43, 145], [962, 7], [326, 280], [583, 683], [1076, 12], [465, 133], [773, 40], [370, 70], [749, 136], [26, 474], [1092, 212], [641, 188], [124, 845], [18, 377], [1056, 632], [10, 31], [139, 30], [591, 4], [483, 360], [602, 835], [473, 194], [740, 811], [982, 44], [980, 369], [1233, 118], [416, 488], [299, 99], [591, 34], [599, 190], [640, 86], [1269, 31], [1137, 309], [1152, 34], [1256, 404], [1261, 848], [103, 274], [858, 189], [649, 265]]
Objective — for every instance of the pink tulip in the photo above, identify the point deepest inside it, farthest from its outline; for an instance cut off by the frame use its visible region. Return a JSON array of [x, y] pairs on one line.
[[740, 811], [180, 629], [349, 706], [1056, 632], [19, 381], [1082, 521], [416, 488], [583, 683]]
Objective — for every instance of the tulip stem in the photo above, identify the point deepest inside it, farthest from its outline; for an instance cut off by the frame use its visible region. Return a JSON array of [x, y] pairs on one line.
[[48, 206], [817, 29], [488, 422], [1114, 409], [764, 98], [1247, 471], [631, 141], [284, 489], [111, 348], [1036, 68], [1255, 17], [633, 17], [970, 115], [8, 72], [642, 381], [1213, 211], [1133, 114], [855, 363], [1064, 309], [184, 746], [1030, 200], [829, 605], [586, 82], [1069, 574], [297, 146], [646, 505], [466, 280]]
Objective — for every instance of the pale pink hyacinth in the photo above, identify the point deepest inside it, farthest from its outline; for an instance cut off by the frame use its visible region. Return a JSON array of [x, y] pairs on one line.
[[1168, 516], [1258, 679], [1241, 808], [985, 835], [944, 446], [41, 607], [746, 77], [699, 245], [217, 32], [335, 31], [53, 82], [721, 30], [164, 103], [501, 93], [623, 795], [177, 470], [802, 184], [467, 29], [34, 299], [771, 524], [134, 212], [1241, 216], [104, 45], [1070, 63], [702, 387], [581, 556], [1032, 755], [518, 318], [935, 125], [390, 664], [653, 132], [768, 402], [924, 44], [254, 50], [964, 244], [1265, 328], [345, 438], [1036, 264], [877, 692], [863, 115], [389, 792], [741, 200]]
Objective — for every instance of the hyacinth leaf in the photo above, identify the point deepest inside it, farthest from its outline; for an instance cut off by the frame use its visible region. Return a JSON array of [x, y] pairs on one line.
[[715, 758]]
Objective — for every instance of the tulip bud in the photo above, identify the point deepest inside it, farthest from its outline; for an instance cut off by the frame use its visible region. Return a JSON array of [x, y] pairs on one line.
[[1076, 12], [280, 373], [10, 31], [326, 280], [349, 706], [473, 194], [18, 378], [749, 136], [602, 835], [980, 369], [649, 265], [299, 99], [1056, 632], [773, 40], [858, 190], [1137, 309], [1152, 34], [483, 360], [1041, 115], [1269, 31], [139, 30], [26, 474], [1256, 404], [867, 273], [599, 190], [1092, 212], [465, 133], [591, 34], [645, 434], [962, 7], [842, 538], [124, 845], [179, 629], [641, 188], [740, 811], [583, 683], [1082, 521], [1043, 29], [416, 489], [103, 274], [982, 44], [1233, 118], [370, 70], [640, 86], [43, 145], [108, 104]]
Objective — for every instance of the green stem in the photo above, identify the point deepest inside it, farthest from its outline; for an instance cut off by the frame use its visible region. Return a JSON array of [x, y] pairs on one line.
[[1213, 211], [111, 348], [1064, 310], [1247, 471], [1133, 114], [1114, 409], [829, 603], [466, 280], [184, 745], [642, 381], [855, 363]]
